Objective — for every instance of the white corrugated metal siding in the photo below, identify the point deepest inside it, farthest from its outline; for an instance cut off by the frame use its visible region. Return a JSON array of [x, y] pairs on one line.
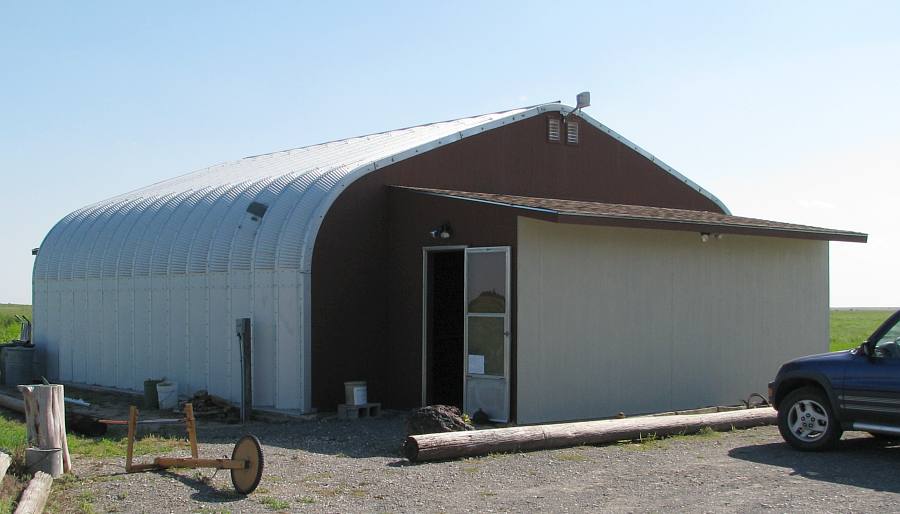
[[148, 284]]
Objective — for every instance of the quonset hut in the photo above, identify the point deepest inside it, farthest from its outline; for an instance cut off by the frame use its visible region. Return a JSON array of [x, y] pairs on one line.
[[530, 263]]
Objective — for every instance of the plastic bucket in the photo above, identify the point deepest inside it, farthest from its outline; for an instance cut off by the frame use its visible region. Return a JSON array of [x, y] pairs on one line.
[[151, 396], [355, 393], [167, 393], [48, 461]]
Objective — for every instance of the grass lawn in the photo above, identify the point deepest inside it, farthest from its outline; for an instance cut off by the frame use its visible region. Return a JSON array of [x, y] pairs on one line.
[[9, 327], [851, 327], [12, 440]]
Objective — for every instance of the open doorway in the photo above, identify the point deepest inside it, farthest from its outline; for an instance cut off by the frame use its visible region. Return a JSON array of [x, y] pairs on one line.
[[444, 330]]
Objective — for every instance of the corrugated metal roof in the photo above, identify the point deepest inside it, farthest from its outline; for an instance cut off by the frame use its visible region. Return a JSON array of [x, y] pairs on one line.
[[655, 217], [187, 224]]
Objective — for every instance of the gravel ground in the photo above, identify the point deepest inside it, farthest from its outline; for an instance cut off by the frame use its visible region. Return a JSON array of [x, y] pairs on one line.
[[331, 465]]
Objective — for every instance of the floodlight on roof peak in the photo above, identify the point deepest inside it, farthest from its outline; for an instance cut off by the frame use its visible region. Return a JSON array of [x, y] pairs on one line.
[[582, 100]]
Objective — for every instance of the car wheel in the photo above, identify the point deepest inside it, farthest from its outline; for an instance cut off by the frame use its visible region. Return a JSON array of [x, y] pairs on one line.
[[806, 421]]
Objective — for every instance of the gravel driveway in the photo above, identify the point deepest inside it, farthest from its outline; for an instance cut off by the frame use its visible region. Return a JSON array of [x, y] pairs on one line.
[[331, 465]]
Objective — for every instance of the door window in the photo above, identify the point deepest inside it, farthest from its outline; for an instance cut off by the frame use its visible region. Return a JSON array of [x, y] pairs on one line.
[[487, 332], [889, 344]]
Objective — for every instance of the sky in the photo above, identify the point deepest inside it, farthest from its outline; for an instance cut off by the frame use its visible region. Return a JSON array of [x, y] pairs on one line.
[[784, 110]]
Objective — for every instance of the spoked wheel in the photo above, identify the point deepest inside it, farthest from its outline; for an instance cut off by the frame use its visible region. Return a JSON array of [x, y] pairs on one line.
[[247, 449], [806, 421]]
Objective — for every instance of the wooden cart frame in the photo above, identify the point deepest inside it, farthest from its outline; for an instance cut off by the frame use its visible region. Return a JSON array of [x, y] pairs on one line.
[[245, 464]]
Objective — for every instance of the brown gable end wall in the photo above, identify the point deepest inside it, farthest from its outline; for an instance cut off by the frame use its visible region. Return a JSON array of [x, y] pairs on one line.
[[354, 270]]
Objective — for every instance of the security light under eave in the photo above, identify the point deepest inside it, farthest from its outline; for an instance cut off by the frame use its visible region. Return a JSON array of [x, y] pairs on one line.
[[442, 232]]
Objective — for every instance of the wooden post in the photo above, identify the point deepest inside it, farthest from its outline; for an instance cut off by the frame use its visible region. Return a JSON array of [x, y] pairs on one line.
[[34, 498], [132, 425], [451, 445], [45, 419], [246, 341], [4, 465], [191, 428]]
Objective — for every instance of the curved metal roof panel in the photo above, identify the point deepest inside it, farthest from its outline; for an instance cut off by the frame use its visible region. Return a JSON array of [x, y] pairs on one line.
[[198, 223]]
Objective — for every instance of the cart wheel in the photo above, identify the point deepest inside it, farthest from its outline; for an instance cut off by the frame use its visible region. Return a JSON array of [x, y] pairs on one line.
[[247, 449]]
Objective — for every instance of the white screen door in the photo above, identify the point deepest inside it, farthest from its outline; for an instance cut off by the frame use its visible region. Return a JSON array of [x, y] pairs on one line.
[[487, 332]]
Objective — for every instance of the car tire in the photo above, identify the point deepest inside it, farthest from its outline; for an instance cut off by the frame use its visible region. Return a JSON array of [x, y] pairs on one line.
[[806, 420]]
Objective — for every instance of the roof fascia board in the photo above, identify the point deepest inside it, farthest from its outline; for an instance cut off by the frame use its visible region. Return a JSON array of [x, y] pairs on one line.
[[699, 226]]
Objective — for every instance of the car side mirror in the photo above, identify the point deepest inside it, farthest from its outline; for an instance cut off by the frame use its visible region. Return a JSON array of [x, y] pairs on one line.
[[864, 348]]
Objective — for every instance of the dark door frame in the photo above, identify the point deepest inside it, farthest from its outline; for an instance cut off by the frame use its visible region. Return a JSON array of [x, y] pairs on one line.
[[425, 320]]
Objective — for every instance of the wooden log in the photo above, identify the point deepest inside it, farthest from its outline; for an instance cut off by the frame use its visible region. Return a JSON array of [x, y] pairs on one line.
[[5, 461], [34, 497], [12, 403], [45, 419], [451, 445]]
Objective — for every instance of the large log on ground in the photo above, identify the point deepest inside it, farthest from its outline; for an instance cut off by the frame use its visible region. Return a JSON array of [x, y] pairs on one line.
[[453, 445], [34, 497], [45, 419]]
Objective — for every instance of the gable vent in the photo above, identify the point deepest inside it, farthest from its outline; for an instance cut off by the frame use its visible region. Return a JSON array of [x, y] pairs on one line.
[[572, 133], [553, 132]]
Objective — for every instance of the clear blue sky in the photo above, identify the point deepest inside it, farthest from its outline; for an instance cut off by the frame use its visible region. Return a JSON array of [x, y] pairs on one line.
[[784, 110]]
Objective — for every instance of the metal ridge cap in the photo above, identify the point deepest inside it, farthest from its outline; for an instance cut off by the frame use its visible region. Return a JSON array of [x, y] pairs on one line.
[[399, 129]]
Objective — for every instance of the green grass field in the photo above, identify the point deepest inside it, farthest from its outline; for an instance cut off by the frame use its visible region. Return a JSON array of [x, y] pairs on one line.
[[851, 327], [9, 327]]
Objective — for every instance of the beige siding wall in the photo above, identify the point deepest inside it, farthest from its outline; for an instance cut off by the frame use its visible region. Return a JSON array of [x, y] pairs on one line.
[[637, 321]]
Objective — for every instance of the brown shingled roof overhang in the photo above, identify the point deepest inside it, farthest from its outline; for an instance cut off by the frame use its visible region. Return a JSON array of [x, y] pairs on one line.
[[642, 216]]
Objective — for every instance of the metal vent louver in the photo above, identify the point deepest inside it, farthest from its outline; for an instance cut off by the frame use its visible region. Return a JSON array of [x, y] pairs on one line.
[[553, 129], [572, 133]]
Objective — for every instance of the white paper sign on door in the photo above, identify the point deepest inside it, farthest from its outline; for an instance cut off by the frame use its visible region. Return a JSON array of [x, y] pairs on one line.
[[476, 364]]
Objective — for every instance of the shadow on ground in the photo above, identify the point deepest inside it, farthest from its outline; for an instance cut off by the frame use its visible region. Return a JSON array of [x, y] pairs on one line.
[[859, 461], [204, 491]]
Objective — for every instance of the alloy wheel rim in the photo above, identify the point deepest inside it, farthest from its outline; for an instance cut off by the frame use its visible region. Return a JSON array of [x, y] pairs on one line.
[[808, 420]]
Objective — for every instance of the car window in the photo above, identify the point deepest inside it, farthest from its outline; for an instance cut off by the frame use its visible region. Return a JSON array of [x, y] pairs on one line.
[[889, 344]]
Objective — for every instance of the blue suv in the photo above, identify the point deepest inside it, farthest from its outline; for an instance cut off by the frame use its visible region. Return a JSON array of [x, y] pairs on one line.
[[820, 396]]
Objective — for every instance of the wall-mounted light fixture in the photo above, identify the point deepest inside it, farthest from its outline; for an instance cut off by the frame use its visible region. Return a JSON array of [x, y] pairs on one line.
[[442, 232], [704, 237]]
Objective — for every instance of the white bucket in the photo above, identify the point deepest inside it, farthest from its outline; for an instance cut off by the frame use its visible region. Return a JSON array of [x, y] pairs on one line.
[[168, 395], [355, 393], [48, 461]]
